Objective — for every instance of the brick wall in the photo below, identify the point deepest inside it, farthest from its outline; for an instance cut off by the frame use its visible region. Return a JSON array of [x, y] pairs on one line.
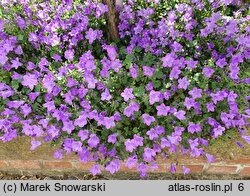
[[239, 167], [16, 158]]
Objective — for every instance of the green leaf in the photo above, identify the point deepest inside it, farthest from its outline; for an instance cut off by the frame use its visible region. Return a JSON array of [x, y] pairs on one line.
[[139, 91], [135, 130], [157, 83], [128, 61], [15, 84], [158, 74], [20, 37]]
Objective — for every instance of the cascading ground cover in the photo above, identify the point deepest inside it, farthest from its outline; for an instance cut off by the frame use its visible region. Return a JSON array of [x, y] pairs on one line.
[[177, 79]]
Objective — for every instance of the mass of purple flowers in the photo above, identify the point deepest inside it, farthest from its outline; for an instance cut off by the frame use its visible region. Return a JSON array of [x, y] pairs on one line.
[[177, 78]]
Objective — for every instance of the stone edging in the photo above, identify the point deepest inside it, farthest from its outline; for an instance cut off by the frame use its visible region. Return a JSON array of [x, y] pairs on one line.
[[240, 167]]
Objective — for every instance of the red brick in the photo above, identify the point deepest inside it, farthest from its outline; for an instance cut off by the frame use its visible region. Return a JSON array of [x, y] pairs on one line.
[[126, 169], [24, 164], [222, 169], [245, 171], [196, 168], [83, 166], [165, 161], [193, 168], [162, 168], [57, 165], [3, 164], [240, 161], [188, 161], [184, 160]]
